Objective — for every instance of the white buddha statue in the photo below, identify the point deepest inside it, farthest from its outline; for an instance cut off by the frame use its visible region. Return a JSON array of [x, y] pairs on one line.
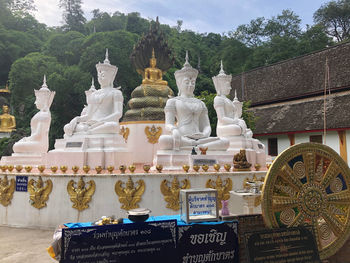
[[104, 106], [186, 117], [229, 112], [38, 141]]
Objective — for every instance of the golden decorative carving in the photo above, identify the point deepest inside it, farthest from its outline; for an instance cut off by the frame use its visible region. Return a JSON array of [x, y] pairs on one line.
[[39, 194], [257, 200], [6, 190], [309, 184], [159, 168], [171, 194], [146, 168], [223, 189], [124, 131], [81, 195], [130, 195], [153, 133]]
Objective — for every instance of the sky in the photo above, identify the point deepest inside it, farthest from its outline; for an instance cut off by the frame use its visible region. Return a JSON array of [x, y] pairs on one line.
[[218, 16]]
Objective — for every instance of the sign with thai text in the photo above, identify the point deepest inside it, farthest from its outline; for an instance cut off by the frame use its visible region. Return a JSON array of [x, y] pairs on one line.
[[208, 243], [21, 183], [288, 245], [138, 242]]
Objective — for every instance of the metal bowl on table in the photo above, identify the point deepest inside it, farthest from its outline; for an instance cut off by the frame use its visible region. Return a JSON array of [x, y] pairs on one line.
[[138, 214]]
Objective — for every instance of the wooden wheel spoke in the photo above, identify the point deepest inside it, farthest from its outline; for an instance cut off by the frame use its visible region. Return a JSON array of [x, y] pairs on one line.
[[335, 225], [309, 161], [331, 172], [341, 198], [287, 176], [282, 202], [298, 220]]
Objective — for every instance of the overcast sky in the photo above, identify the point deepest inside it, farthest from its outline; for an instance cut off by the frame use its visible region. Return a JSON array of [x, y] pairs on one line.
[[197, 15]]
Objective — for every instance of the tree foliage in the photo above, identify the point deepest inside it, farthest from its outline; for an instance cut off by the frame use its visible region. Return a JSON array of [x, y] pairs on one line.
[[334, 16], [73, 15]]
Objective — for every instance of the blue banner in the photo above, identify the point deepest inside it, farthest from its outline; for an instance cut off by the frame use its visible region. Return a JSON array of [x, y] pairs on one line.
[[138, 242]]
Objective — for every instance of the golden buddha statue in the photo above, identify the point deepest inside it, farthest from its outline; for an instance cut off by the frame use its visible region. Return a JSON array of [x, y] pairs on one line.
[[153, 75], [7, 121]]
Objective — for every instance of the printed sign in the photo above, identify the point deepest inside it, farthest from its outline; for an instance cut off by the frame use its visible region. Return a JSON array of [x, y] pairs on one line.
[[208, 243], [288, 245], [21, 183], [201, 203], [122, 243], [204, 161], [74, 144]]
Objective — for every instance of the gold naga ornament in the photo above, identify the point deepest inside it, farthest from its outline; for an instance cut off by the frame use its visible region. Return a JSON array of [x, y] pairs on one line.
[[124, 131], [153, 134], [39, 194], [309, 184], [7, 189], [81, 195], [246, 186], [130, 195], [223, 189], [171, 194]]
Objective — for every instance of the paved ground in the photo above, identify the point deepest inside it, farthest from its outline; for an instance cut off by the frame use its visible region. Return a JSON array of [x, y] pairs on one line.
[[18, 245]]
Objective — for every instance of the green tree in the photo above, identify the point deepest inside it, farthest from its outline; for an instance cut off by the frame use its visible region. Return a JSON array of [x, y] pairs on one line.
[[335, 17], [73, 15]]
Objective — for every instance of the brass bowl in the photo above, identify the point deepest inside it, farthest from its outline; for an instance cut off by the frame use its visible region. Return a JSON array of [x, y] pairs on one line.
[[41, 168], [196, 167], [54, 168], [227, 167], [122, 169], [10, 167], [110, 168], [146, 168], [132, 168], [98, 169], [216, 167], [75, 169], [159, 168], [3, 168], [19, 168], [86, 168], [257, 167], [64, 168], [28, 168], [186, 167], [205, 167]]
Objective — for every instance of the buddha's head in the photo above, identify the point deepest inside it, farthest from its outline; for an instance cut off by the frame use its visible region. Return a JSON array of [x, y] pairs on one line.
[[44, 97], [186, 79], [5, 109], [222, 82], [106, 73], [153, 60]]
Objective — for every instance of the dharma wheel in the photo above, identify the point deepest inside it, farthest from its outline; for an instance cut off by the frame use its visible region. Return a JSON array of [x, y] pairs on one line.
[[308, 184]]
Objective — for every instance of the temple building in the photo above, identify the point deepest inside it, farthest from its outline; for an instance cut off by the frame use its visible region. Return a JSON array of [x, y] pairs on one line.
[[304, 99]]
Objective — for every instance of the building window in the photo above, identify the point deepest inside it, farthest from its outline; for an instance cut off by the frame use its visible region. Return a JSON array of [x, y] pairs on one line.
[[316, 138], [272, 145]]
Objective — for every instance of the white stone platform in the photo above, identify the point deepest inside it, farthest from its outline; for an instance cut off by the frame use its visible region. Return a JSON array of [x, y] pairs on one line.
[[105, 201]]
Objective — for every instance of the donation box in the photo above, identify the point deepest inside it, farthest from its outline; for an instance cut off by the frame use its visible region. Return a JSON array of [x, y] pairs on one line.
[[199, 204]]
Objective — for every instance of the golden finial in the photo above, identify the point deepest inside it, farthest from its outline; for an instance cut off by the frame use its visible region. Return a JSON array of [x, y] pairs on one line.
[[153, 56]]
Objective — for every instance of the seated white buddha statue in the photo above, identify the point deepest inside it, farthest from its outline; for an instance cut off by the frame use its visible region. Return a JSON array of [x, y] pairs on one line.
[[186, 117], [104, 106], [38, 141], [228, 112]]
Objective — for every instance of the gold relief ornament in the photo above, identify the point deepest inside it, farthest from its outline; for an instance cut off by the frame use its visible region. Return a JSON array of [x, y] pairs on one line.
[[130, 196], [153, 134], [124, 131], [39, 194], [309, 184], [7, 189], [81, 195], [171, 194], [223, 189]]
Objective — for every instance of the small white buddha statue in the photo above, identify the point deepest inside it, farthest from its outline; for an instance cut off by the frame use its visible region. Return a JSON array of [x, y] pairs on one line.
[[104, 106], [186, 117], [229, 112], [38, 141]]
